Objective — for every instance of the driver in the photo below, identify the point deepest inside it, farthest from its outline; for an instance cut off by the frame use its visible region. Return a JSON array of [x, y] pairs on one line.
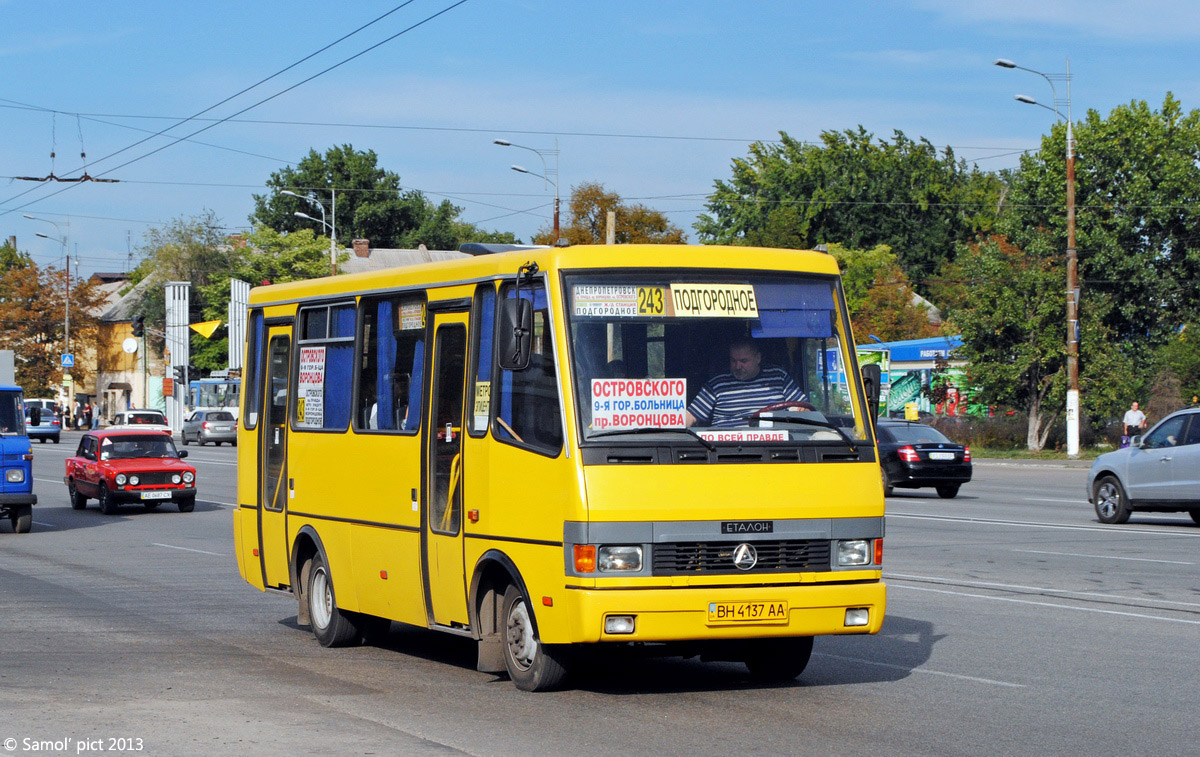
[[725, 400]]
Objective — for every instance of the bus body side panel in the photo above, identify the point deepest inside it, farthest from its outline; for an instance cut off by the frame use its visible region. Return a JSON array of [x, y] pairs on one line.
[[528, 496], [387, 546]]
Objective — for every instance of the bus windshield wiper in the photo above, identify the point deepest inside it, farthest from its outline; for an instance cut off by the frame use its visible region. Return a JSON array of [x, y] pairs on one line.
[[805, 421], [655, 430]]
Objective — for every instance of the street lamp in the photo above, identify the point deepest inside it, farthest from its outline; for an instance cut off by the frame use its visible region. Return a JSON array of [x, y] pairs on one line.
[[1072, 259], [62, 240], [546, 172], [330, 226]]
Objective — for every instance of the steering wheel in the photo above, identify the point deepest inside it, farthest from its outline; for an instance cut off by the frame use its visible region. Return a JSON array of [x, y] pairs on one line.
[[790, 405]]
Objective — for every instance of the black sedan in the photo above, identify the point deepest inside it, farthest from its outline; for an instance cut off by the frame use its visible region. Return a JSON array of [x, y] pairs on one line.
[[914, 455]]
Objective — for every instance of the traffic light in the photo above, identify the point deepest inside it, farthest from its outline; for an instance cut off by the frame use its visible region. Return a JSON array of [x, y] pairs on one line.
[[139, 325], [180, 374]]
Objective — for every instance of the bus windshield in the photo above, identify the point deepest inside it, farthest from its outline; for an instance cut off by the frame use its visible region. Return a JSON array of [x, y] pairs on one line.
[[729, 357]]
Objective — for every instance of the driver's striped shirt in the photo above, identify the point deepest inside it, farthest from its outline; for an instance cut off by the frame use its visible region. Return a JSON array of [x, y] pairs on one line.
[[724, 401]]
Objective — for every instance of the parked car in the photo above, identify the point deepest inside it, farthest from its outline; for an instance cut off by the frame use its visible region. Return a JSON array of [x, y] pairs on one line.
[[129, 465], [142, 420], [914, 455], [206, 426], [48, 424], [1158, 472]]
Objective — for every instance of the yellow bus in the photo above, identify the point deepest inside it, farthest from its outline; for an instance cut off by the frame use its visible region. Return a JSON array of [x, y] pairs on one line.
[[550, 449]]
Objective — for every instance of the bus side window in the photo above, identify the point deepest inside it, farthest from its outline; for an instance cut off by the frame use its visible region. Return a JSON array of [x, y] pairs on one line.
[[393, 352], [528, 411], [480, 396]]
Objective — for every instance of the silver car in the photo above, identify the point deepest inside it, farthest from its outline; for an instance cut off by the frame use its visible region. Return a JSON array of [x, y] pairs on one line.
[[1158, 472], [206, 426]]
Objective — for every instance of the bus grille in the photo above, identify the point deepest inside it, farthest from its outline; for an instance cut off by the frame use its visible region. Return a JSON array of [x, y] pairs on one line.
[[681, 558]]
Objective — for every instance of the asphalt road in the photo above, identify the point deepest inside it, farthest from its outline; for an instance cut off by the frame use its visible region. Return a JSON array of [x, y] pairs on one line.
[[1017, 624]]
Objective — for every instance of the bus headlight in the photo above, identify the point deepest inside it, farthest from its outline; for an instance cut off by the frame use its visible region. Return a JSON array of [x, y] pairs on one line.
[[616, 559], [120, 479], [14, 476], [856, 552], [189, 477]]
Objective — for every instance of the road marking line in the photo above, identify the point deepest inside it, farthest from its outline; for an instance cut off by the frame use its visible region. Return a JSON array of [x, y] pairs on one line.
[[44, 525], [1103, 557], [1113, 530], [1068, 501], [920, 670], [1056, 606], [1040, 589], [185, 549]]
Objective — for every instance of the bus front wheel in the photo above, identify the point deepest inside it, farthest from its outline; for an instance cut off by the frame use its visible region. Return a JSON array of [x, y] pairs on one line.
[[331, 626], [778, 660], [532, 665]]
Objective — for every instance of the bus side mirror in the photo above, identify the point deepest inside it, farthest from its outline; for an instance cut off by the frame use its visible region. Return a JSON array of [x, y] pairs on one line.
[[35, 416], [872, 378], [514, 334]]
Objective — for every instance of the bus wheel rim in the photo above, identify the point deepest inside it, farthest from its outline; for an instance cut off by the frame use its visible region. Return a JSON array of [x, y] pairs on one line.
[[322, 604], [522, 647]]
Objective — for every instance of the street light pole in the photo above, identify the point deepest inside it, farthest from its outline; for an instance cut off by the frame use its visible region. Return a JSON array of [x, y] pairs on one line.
[[545, 175], [332, 227], [1072, 257]]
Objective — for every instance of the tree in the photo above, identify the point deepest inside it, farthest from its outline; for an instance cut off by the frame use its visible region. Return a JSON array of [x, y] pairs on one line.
[[264, 256], [1014, 337], [371, 204], [856, 191], [32, 323], [1138, 205], [587, 220], [880, 296]]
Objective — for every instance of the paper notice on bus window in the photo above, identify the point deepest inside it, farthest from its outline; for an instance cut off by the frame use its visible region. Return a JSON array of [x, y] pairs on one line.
[[483, 404], [412, 316], [310, 388], [638, 403], [744, 435], [604, 300], [714, 301]]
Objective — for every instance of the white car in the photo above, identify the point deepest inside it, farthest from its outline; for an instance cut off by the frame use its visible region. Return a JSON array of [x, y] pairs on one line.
[[141, 420], [1158, 472]]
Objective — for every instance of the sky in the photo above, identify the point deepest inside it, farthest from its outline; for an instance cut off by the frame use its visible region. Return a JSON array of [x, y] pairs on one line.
[[654, 99]]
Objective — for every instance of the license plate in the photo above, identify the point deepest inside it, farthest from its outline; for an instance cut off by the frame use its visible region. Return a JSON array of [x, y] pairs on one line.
[[156, 495], [747, 612], [222, 428], [941, 455]]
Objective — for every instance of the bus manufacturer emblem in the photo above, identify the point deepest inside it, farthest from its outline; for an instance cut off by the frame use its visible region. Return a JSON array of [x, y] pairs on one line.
[[745, 556]]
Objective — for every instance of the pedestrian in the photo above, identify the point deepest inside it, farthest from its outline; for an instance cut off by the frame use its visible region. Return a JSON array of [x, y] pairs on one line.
[[87, 415], [1135, 423]]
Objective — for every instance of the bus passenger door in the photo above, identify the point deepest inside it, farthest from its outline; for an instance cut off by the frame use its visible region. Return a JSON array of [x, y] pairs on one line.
[[441, 527], [273, 482]]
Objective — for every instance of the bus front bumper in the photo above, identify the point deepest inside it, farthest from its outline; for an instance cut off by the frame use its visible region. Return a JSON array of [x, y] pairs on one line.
[[703, 613]]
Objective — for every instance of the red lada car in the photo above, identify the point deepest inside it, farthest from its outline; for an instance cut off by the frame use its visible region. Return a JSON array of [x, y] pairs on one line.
[[126, 465]]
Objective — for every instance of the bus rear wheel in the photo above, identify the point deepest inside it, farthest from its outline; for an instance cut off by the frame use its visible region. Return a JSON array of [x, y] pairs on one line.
[[532, 665], [778, 660], [331, 626]]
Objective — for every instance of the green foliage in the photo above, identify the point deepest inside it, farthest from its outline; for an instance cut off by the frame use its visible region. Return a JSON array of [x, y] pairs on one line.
[[11, 257], [371, 204], [1181, 355], [855, 191], [266, 257], [1138, 205]]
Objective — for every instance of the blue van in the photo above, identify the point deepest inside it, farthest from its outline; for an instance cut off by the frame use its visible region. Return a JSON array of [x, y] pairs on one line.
[[16, 490]]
